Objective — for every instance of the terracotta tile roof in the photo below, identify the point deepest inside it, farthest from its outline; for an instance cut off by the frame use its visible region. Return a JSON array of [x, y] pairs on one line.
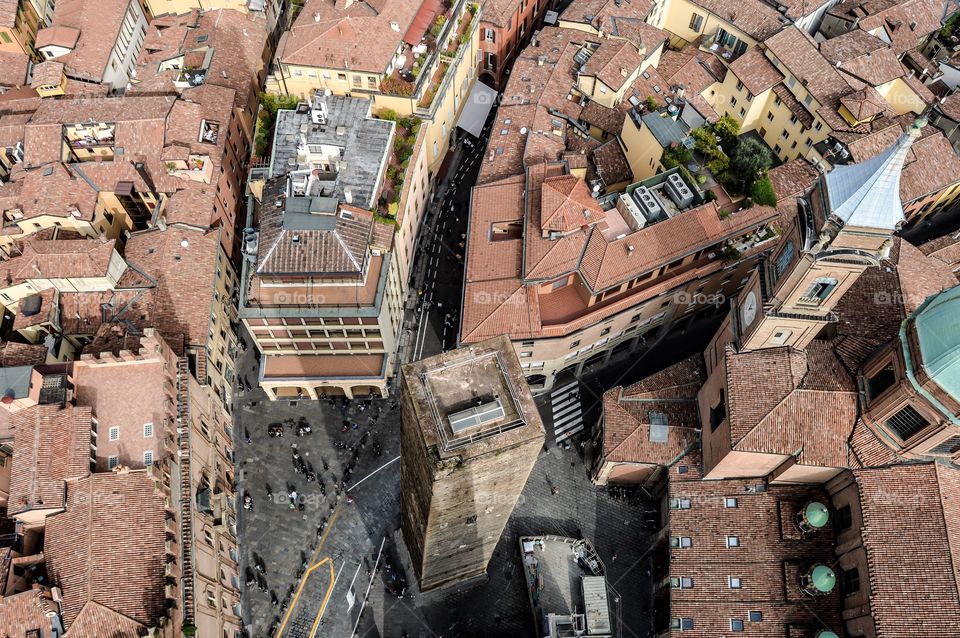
[[52, 445], [808, 408], [755, 70], [768, 561], [358, 38], [49, 190], [626, 416], [25, 612], [47, 73], [8, 13], [795, 106], [13, 68], [341, 249], [545, 258], [97, 621], [690, 68], [45, 314], [907, 24], [95, 560], [866, 450], [498, 307], [798, 52], [754, 17], [600, 13], [566, 204], [609, 262], [490, 255], [235, 38], [55, 259], [604, 118], [864, 104], [913, 581], [612, 165], [94, 33], [863, 56], [612, 63], [14, 354], [792, 179], [182, 261], [946, 249]]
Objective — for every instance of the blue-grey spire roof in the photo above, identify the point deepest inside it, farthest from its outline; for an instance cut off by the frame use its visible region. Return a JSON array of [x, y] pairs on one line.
[[867, 195]]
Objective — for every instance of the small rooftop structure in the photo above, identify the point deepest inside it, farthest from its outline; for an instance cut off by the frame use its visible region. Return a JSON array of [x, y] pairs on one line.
[[567, 587], [332, 148]]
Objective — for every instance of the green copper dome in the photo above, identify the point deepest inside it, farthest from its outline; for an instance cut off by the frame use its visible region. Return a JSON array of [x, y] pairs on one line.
[[937, 323], [824, 579], [816, 514], [826, 633]]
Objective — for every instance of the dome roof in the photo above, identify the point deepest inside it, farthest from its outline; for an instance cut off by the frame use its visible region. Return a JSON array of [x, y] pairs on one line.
[[937, 322]]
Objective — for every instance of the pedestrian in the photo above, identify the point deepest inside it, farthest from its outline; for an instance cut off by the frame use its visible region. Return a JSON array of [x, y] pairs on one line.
[[554, 490]]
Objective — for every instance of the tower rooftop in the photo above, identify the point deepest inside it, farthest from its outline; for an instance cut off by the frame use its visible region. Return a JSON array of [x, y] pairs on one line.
[[867, 195]]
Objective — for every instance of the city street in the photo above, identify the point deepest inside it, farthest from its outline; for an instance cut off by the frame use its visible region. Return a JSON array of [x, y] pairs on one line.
[[438, 267]]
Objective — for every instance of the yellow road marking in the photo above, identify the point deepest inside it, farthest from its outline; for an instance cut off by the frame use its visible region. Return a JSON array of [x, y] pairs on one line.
[[303, 581], [326, 597]]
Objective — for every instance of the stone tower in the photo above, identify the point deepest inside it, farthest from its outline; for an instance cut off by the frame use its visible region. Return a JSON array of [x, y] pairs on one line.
[[470, 435], [845, 225]]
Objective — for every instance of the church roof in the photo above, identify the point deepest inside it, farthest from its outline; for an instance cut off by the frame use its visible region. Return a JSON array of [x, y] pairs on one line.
[[937, 323], [867, 194]]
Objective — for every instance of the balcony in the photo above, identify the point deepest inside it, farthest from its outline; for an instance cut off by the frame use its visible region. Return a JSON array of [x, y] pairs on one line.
[[196, 168], [725, 45]]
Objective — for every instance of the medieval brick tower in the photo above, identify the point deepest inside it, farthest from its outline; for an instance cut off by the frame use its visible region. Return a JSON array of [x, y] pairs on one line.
[[470, 436]]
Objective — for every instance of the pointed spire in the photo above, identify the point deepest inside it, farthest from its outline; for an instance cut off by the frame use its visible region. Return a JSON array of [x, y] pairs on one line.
[[867, 195]]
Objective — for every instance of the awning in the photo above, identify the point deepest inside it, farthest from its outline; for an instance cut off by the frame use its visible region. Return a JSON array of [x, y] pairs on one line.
[[422, 21], [477, 107]]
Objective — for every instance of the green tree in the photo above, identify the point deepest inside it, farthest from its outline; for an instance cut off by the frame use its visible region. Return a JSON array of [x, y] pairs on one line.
[[749, 162], [727, 129], [763, 192]]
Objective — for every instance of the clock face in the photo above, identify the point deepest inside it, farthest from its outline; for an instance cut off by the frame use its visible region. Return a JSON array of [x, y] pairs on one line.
[[749, 309]]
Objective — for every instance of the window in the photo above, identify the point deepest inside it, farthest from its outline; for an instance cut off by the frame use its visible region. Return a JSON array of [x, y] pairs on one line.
[[526, 355], [850, 581], [785, 135], [679, 503], [769, 116], [371, 82], [148, 458], [605, 331], [907, 422], [112, 461], [844, 519], [575, 344], [733, 101], [948, 447], [733, 541], [696, 21], [818, 126], [736, 624], [357, 81], [681, 542], [718, 412], [6, 37], [749, 96], [785, 258], [793, 119], [755, 616], [148, 430], [733, 582], [820, 289], [683, 624], [739, 86], [684, 582], [342, 77], [488, 35], [114, 433], [880, 382], [743, 113], [809, 142], [527, 344], [776, 149], [491, 62], [730, 502]]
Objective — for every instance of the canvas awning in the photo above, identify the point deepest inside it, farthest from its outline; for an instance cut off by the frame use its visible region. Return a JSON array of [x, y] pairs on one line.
[[477, 107], [428, 12]]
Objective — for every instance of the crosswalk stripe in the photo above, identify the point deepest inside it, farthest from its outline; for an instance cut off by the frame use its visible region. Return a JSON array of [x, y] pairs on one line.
[[567, 435], [564, 387], [573, 425], [567, 411]]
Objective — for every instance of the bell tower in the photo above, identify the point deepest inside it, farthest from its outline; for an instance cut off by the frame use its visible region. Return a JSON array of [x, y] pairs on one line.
[[844, 226]]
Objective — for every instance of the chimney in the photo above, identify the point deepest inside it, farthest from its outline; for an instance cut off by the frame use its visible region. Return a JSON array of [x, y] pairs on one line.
[[348, 196]]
